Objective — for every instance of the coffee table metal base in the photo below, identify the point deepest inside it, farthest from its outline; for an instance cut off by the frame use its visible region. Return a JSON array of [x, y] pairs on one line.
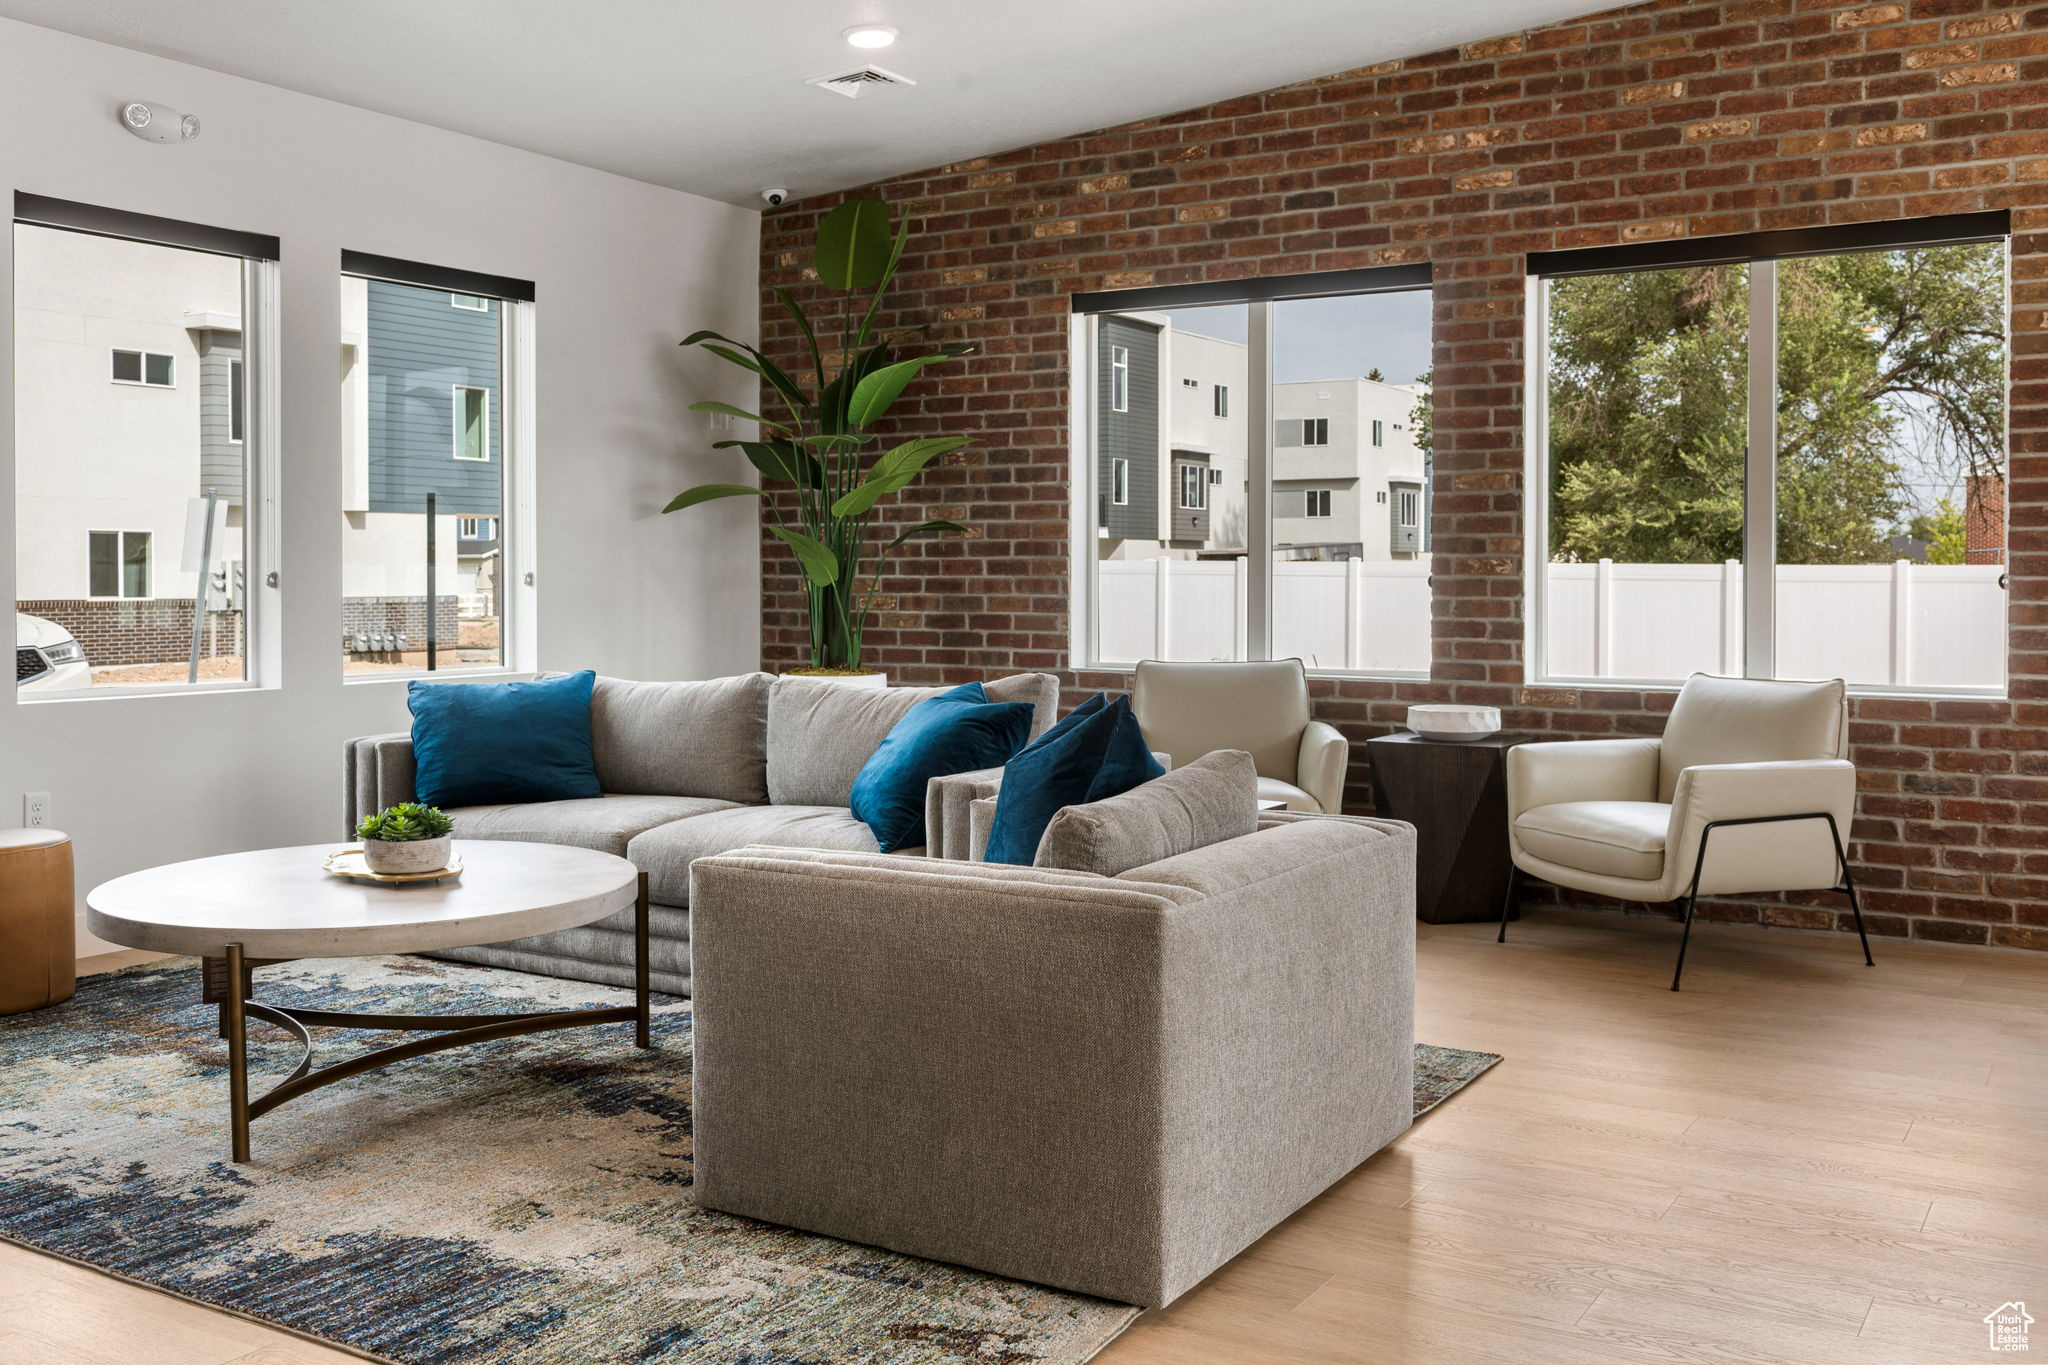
[[228, 980]]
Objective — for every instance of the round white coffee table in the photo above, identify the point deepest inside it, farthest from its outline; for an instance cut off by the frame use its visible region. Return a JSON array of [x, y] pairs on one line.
[[241, 911]]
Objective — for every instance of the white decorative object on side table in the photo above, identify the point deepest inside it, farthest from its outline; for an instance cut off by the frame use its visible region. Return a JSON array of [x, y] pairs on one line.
[[1456, 724]]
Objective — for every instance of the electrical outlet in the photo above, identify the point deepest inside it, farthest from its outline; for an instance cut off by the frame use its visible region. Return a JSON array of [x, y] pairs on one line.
[[724, 421], [35, 809]]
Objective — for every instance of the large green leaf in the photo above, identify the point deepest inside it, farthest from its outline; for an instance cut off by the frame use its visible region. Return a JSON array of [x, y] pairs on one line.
[[709, 405], [705, 492], [925, 526], [766, 368], [785, 461], [894, 471], [803, 323], [867, 321], [875, 392], [821, 566], [852, 250]]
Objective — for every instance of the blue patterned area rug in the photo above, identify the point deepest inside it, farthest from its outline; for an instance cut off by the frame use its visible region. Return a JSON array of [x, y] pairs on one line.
[[524, 1202]]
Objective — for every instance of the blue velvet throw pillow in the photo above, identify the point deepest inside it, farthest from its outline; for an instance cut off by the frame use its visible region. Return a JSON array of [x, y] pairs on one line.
[[489, 744], [955, 732], [1095, 753]]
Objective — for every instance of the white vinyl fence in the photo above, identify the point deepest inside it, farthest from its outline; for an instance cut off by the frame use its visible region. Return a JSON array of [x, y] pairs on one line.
[[1903, 624]]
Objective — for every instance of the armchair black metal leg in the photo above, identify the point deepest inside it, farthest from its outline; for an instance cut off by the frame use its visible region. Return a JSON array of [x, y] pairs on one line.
[[1849, 888], [1692, 900], [1507, 903]]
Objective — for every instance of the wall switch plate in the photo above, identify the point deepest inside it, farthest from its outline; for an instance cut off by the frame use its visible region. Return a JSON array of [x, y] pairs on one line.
[[724, 421], [35, 809]]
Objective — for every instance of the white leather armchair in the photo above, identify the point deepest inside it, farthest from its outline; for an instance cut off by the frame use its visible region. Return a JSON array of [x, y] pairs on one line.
[[1189, 709], [1749, 789]]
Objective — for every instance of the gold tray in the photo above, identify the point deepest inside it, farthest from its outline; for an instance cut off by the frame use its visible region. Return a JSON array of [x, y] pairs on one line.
[[348, 862]]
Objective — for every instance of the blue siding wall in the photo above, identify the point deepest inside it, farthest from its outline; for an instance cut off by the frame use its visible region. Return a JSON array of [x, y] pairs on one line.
[[422, 348]]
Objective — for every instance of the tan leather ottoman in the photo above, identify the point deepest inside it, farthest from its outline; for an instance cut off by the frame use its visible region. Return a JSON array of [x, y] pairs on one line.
[[38, 947]]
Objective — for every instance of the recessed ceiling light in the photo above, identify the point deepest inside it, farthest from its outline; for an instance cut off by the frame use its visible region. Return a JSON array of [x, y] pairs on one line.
[[870, 35]]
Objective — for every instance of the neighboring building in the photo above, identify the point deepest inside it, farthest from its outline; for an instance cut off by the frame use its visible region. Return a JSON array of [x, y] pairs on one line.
[[1347, 474], [1349, 481], [420, 386], [128, 374], [1984, 519]]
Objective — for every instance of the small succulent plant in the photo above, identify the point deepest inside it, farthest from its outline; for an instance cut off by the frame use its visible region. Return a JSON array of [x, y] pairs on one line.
[[404, 824]]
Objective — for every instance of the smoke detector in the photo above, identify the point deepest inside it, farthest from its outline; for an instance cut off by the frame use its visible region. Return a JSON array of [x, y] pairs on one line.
[[862, 80]]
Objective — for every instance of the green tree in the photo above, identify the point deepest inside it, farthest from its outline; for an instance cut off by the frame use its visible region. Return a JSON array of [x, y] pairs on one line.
[[1649, 396], [1944, 532]]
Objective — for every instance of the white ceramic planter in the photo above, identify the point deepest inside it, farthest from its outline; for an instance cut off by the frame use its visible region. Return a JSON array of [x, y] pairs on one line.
[[875, 679], [1457, 724], [412, 855]]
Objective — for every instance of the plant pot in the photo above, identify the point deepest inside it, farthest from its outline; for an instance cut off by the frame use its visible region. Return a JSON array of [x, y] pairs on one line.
[[411, 855], [875, 679]]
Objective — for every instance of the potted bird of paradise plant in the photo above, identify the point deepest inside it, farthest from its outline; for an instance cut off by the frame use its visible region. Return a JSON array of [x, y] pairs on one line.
[[818, 437]]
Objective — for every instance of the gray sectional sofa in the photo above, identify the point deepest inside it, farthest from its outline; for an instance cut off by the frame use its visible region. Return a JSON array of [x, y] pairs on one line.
[[1112, 1084], [691, 769]]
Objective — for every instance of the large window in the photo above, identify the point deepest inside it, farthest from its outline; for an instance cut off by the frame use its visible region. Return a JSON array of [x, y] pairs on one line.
[[1226, 514], [140, 503], [428, 372], [1786, 464]]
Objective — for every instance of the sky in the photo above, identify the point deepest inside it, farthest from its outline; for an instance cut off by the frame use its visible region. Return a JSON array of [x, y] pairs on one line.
[[1332, 338]]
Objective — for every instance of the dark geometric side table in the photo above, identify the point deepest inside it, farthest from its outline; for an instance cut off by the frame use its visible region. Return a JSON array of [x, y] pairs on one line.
[[1456, 796]]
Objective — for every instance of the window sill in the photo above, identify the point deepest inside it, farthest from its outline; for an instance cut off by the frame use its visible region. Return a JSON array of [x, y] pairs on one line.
[[85, 694], [439, 675], [1855, 689], [1336, 674]]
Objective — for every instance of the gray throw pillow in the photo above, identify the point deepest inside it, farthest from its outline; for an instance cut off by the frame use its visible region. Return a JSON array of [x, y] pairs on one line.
[[682, 738], [1212, 799]]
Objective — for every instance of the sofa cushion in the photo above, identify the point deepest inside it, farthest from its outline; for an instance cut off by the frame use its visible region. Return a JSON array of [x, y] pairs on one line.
[[683, 738], [605, 823], [1100, 755], [1212, 799], [960, 731], [665, 854], [820, 733], [482, 743], [1608, 838]]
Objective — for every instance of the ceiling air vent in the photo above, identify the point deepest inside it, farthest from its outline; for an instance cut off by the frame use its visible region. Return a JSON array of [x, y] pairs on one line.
[[860, 81]]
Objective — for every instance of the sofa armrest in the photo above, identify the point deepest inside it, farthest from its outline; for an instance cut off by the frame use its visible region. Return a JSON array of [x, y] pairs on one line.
[[377, 771], [1320, 768], [1776, 856], [946, 802], [1581, 770]]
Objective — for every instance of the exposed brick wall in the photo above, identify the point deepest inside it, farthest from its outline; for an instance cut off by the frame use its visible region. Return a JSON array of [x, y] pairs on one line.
[[1688, 117], [140, 630]]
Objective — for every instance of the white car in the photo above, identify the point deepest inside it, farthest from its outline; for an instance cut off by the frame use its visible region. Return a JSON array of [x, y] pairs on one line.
[[46, 658]]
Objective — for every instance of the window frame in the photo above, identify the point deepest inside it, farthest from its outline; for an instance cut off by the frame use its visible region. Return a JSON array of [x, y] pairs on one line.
[[257, 255], [1196, 477], [238, 398], [1320, 426], [1119, 481], [1379, 433], [1761, 252], [1219, 405], [482, 304], [517, 461], [1316, 504], [1084, 353], [1119, 380], [142, 357], [1408, 507], [460, 423]]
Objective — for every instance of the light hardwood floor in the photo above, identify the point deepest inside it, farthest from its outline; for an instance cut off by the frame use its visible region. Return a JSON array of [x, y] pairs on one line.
[[1798, 1159]]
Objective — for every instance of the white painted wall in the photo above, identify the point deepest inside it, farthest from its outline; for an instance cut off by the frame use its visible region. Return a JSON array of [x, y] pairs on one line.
[[624, 270]]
